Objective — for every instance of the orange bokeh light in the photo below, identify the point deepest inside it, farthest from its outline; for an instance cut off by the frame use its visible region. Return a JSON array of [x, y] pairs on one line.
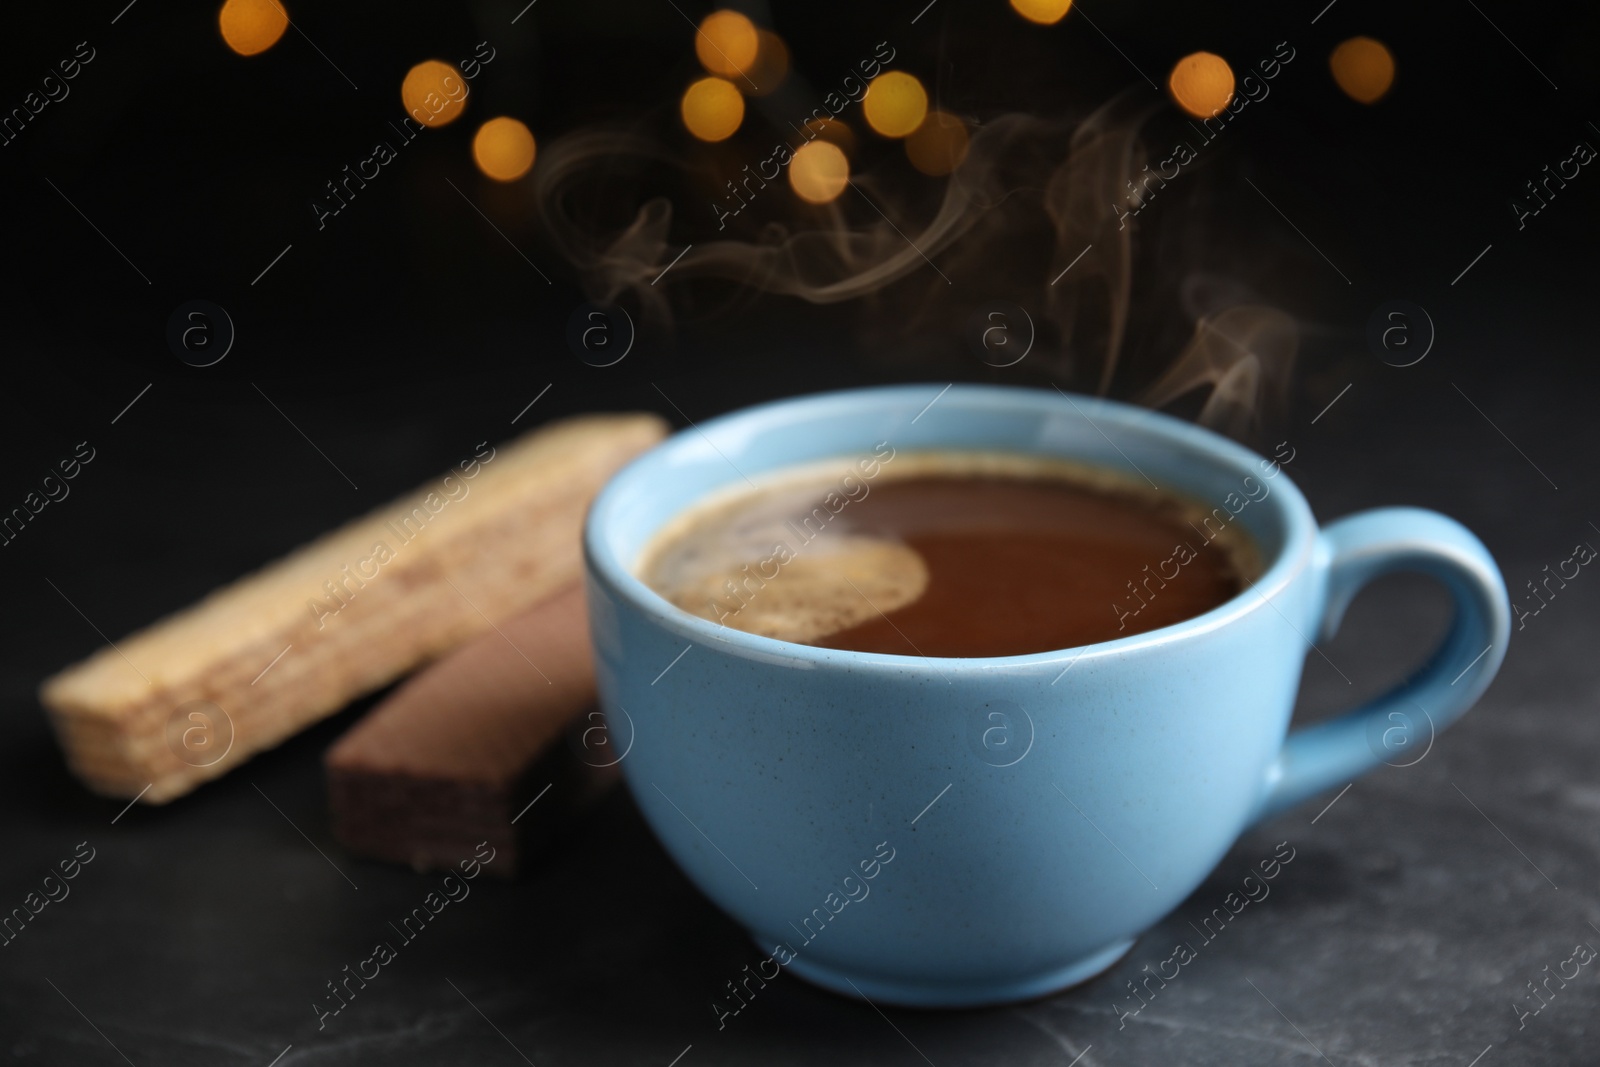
[[712, 109], [1364, 69], [1202, 84], [504, 149], [834, 131], [1044, 12], [726, 43], [434, 93], [819, 172], [939, 145], [250, 27], [771, 65], [895, 104]]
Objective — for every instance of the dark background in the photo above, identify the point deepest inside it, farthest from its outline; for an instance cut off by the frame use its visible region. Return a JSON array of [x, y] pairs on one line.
[[409, 329]]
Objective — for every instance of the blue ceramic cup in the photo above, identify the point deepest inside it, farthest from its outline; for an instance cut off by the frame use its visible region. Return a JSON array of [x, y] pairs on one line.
[[953, 832]]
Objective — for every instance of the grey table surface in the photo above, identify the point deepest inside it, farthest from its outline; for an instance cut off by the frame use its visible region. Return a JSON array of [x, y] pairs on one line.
[[1418, 908]]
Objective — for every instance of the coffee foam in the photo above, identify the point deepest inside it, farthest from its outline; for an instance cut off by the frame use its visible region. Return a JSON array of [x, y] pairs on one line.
[[778, 560]]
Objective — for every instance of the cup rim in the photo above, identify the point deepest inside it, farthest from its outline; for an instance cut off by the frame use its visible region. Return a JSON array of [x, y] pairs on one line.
[[603, 565]]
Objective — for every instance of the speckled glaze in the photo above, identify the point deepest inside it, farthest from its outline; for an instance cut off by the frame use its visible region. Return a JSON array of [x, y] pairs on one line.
[[1041, 810]]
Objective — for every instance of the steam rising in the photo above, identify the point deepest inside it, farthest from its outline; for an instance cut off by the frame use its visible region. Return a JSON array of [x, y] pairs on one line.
[[1033, 198]]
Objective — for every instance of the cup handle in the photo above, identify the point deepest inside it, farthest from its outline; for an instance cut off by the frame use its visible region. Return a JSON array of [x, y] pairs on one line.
[[1350, 553]]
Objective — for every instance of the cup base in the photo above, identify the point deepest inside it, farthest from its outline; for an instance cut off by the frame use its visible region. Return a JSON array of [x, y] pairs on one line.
[[956, 994]]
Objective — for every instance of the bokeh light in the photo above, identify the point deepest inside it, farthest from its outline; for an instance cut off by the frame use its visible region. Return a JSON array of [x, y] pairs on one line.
[[771, 65], [939, 144], [1364, 69], [434, 93], [712, 109], [1044, 12], [895, 104], [726, 43], [819, 172], [503, 149], [1202, 84], [252, 26], [835, 131]]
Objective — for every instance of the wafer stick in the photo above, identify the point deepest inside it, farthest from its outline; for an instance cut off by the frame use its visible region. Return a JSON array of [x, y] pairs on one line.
[[200, 692], [469, 747]]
